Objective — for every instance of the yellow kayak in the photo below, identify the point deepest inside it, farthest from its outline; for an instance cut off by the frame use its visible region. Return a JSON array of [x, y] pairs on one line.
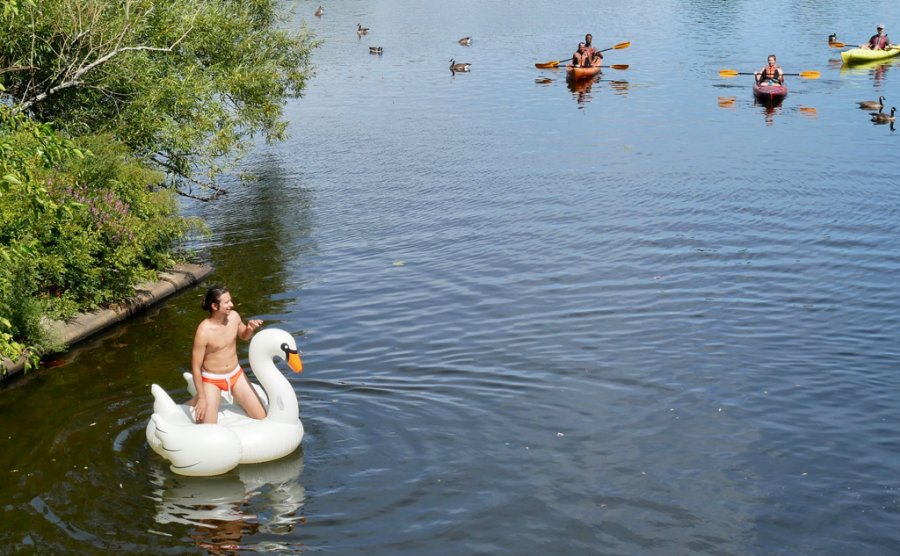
[[856, 55]]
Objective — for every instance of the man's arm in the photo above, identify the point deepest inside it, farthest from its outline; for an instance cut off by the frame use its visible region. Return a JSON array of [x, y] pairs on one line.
[[245, 331], [198, 352]]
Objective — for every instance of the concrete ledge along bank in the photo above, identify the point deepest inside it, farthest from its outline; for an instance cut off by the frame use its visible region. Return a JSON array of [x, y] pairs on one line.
[[146, 294]]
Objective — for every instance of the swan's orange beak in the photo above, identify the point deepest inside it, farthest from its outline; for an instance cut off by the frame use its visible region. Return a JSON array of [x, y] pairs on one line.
[[294, 362]]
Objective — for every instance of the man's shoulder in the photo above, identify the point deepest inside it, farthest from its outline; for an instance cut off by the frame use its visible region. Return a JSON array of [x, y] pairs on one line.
[[204, 326]]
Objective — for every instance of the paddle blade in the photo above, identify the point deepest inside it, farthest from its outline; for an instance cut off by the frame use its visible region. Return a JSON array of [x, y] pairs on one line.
[[545, 65], [810, 74], [619, 66], [622, 45], [729, 73], [836, 45]]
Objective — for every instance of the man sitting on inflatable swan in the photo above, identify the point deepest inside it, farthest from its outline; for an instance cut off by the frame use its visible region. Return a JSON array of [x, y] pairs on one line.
[[265, 423]]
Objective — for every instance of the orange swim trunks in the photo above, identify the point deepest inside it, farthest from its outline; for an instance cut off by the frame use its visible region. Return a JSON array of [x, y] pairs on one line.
[[224, 382]]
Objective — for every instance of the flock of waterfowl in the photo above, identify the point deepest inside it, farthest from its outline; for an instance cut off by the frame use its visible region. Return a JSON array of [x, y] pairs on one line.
[[880, 116], [361, 31]]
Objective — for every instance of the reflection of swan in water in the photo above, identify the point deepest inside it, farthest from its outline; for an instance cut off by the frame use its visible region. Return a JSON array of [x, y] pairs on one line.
[[211, 449], [267, 496]]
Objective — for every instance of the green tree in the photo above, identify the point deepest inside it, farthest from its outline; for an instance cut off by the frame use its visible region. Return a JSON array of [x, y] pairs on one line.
[[80, 225], [185, 84], [26, 149]]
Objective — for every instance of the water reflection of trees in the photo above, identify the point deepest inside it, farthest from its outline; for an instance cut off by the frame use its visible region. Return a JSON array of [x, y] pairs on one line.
[[257, 231]]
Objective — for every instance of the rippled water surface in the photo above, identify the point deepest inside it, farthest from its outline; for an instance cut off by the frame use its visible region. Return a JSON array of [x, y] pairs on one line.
[[643, 315]]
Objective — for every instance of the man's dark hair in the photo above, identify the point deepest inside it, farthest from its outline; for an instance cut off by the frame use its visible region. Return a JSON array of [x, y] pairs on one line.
[[213, 295]]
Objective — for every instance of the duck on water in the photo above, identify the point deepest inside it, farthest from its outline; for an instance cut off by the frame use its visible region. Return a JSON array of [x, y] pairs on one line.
[[459, 66]]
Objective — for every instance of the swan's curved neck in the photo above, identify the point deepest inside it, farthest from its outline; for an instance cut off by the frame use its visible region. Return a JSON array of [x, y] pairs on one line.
[[282, 398]]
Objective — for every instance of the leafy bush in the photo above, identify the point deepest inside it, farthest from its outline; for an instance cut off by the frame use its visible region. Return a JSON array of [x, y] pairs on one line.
[[81, 222]]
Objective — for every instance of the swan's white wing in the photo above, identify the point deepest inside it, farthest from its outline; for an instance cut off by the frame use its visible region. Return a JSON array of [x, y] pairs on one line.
[[195, 450]]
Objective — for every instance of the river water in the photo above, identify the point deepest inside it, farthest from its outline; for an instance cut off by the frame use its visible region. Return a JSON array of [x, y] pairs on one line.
[[644, 315]]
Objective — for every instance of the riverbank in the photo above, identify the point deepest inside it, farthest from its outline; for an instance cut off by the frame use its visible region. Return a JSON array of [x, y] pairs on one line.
[[88, 324]]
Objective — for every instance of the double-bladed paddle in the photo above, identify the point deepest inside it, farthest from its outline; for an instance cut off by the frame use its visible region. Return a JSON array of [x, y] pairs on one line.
[[555, 63], [811, 74], [842, 45], [613, 66]]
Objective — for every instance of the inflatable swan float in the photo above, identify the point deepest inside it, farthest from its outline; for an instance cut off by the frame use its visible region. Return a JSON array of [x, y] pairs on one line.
[[203, 450]]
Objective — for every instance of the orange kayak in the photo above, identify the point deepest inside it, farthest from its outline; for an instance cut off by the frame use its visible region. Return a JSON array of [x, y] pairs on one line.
[[581, 73]]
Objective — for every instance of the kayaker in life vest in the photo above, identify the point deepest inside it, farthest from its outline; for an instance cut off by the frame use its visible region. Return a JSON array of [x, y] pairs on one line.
[[772, 73], [580, 58], [879, 40]]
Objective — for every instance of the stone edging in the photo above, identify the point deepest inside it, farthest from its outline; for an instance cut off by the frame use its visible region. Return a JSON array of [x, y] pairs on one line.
[[146, 294]]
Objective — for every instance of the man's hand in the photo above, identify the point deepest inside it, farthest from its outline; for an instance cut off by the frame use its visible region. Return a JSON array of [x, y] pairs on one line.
[[200, 410]]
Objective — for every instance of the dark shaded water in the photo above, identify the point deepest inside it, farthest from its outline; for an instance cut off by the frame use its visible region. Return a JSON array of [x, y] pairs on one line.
[[652, 317]]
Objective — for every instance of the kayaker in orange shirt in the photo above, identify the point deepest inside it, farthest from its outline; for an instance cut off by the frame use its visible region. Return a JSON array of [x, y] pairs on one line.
[[879, 40], [772, 73]]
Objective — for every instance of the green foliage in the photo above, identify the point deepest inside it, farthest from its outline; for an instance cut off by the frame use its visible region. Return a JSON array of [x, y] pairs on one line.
[[184, 83], [80, 224], [106, 110]]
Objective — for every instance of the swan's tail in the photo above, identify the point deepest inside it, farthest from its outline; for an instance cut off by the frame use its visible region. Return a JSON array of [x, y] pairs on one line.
[[162, 403]]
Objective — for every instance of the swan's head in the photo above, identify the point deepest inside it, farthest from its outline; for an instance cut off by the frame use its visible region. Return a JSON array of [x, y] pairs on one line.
[[292, 356], [274, 342]]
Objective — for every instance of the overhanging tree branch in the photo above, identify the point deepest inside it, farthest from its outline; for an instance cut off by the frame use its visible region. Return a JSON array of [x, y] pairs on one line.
[[73, 77], [181, 176]]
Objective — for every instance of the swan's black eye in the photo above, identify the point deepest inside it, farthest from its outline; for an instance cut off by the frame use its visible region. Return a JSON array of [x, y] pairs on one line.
[[287, 349]]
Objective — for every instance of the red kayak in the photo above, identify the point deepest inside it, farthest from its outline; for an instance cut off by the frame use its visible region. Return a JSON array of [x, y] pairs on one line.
[[769, 93], [579, 73]]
